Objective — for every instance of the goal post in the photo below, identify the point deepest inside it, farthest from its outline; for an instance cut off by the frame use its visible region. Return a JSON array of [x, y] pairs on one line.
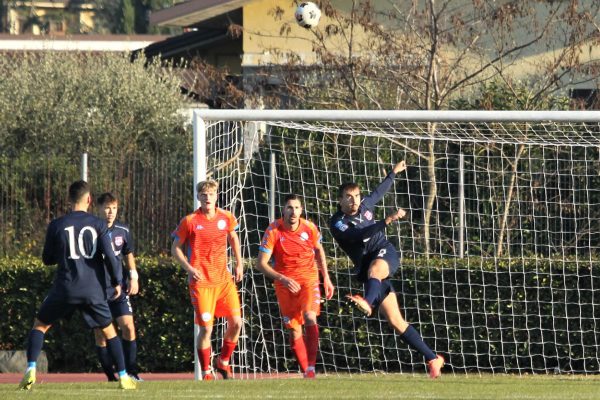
[[499, 248]]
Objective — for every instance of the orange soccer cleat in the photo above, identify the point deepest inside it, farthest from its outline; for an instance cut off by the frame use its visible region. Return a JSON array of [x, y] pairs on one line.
[[435, 367], [360, 303]]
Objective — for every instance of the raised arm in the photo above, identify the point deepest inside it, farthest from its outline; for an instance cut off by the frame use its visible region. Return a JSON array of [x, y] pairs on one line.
[[385, 185], [352, 234]]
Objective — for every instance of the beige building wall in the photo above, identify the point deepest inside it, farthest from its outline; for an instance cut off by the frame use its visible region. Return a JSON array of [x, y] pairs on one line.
[[49, 11], [267, 39]]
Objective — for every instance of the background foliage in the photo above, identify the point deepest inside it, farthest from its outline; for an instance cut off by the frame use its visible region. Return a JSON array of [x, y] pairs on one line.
[[494, 314], [126, 115]]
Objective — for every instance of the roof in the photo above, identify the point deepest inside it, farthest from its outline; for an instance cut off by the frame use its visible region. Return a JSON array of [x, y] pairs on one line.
[[192, 12], [179, 46], [77, 42]]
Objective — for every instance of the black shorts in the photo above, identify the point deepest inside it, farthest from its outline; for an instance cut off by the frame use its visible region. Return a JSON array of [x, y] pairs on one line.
[[120, 306], [54, 308], [387, 253]]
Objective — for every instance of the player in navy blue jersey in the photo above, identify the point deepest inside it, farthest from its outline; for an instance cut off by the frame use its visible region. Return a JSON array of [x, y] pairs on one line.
[[375, 259], [77, 243], [120, 308]]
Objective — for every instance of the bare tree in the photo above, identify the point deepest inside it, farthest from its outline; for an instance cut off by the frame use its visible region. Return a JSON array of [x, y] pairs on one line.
[[423, 54]]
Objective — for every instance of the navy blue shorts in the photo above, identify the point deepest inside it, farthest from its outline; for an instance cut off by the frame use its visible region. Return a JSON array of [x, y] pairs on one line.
[[120, 306], [387, 253], [54, 308], [386, 289]]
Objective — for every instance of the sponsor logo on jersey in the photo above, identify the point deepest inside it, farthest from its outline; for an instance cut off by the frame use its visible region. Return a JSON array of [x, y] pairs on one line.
[[368, 215], [221, 224], [118, 240], [341, 226], [199, 227]]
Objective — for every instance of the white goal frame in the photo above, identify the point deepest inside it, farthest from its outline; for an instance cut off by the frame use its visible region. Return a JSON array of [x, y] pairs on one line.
[[202, 116]]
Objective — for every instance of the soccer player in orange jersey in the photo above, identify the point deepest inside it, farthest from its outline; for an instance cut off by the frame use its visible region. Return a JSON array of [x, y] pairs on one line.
[[295, 244], [200, 247]]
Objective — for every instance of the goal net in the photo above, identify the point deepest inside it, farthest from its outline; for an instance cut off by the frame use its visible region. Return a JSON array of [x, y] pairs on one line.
[[499, 248]]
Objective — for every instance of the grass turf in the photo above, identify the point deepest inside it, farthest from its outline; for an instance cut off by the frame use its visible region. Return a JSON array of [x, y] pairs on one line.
[[332, 387]]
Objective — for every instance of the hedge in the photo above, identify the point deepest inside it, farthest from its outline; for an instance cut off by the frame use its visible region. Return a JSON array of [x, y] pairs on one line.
[[490, 315]]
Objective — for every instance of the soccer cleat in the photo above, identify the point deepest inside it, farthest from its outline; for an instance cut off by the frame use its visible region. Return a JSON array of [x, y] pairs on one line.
[[359, 302], [435, 367], [28, 380], [112, 378], [310, 374], [224, 370], [136, 377], [127, 383]]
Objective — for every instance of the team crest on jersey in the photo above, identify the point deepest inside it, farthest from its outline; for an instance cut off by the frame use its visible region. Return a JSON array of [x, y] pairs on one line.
[[368, 215], [341, 226], [304, 236], [221, 224], [206, 316], [118, 240]]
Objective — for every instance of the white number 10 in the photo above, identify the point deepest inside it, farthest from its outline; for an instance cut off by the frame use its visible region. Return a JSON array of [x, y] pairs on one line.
[[80, 244]]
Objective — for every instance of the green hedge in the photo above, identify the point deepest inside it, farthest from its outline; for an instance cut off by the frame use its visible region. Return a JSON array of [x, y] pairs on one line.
[[163, 317], [523, 315]]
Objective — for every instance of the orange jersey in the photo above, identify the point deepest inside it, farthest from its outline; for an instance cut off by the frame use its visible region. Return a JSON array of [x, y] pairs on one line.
[[205, 245], [293, 251]]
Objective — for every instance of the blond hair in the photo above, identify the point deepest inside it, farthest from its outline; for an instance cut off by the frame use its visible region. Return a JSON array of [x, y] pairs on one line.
[[207, 184]]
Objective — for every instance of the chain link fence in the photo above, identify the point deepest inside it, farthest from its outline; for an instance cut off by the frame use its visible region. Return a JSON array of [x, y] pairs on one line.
[[154, 192]]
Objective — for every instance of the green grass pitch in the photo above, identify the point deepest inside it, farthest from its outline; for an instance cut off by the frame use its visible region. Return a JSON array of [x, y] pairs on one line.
[[362, 387]]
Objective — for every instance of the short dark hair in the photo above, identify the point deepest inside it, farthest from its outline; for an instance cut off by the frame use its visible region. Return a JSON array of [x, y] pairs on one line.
[[292, 196], [77, 190], [347, 186], [106, 198]]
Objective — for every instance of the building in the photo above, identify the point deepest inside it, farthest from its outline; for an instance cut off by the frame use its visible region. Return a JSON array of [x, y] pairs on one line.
[[243, 35], [53, 17]]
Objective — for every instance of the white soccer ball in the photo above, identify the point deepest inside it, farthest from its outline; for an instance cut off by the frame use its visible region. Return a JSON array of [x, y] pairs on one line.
[[307, 14]]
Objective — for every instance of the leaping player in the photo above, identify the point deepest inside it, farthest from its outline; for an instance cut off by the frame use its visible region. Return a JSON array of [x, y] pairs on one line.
[[375, 259]]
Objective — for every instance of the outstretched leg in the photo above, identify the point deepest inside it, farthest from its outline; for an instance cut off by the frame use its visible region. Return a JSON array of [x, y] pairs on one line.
[[391, 311]]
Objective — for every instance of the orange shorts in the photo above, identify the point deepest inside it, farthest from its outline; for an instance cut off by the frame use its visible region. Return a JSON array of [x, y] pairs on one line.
[[215, 302], [293, 305]]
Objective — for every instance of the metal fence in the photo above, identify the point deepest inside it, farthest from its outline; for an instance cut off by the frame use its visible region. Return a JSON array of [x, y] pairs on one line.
[[154, 192]]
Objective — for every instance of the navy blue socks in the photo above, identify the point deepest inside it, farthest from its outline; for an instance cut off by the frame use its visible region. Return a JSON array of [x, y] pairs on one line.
[[130, 353], [413, 339], [106, 362], [372, 289], [35, 342], [115, 349]]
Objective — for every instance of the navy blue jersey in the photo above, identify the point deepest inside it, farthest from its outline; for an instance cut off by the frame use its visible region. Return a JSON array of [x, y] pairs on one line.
[[359, 234], [76, 242], [122, 244]]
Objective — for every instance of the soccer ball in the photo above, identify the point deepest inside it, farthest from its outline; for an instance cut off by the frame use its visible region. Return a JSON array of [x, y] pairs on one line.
[[307, 15]]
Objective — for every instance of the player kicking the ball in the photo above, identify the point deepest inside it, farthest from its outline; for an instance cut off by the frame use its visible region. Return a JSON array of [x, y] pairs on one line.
[[200, 247], [375, 259], [295, 244]]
